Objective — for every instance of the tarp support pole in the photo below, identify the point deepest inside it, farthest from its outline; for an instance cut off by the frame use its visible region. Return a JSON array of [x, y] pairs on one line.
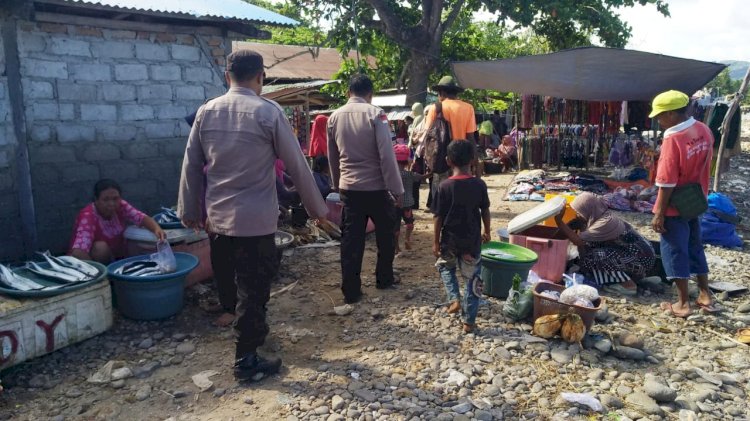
[[725, 127], [23, 166]]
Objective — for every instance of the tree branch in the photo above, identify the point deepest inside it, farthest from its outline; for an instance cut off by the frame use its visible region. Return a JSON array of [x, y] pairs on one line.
[[452, 16], [391, 21], [313, 51], [437, 11]]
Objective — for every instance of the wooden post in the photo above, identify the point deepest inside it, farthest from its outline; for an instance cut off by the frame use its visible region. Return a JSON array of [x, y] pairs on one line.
[[23, 166], [307, 120], [725, 128]]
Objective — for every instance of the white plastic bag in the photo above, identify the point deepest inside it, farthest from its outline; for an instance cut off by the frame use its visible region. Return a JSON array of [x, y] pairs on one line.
[[164, 257], [570, 295]]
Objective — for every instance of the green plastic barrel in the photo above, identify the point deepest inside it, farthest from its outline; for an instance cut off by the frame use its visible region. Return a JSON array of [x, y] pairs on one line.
[[501, 262]]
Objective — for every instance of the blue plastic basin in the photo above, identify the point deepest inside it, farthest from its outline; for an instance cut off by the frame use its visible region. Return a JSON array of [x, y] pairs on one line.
[[150, 297]]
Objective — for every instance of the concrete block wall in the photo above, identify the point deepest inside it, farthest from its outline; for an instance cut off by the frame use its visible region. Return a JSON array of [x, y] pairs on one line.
[[107, 103], [10, 220]]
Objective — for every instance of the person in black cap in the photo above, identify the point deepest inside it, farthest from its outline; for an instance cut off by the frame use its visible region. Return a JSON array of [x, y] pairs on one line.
[[239, 136]]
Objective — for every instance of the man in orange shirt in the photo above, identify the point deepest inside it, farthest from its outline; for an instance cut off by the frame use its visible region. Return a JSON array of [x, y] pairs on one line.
[[458, 113], [460, 116]]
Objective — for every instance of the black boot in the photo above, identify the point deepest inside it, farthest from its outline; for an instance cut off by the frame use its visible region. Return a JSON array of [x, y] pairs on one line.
[[252, 367]]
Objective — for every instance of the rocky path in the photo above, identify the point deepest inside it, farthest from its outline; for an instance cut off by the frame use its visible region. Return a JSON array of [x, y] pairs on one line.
[[398, 356]]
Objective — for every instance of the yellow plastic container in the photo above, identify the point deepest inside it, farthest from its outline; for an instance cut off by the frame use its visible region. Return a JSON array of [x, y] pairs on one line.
[[569, 215]]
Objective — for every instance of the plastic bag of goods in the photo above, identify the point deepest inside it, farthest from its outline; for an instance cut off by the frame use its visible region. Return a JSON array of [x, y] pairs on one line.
[[520, 301], [164, 257], [570, 295]]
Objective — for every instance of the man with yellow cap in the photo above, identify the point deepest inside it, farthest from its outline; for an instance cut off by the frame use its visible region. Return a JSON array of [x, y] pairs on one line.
[[685, 158]]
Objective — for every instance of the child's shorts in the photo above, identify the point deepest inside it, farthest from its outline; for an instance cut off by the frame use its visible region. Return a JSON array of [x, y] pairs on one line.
[[407, 215], [682, 248]]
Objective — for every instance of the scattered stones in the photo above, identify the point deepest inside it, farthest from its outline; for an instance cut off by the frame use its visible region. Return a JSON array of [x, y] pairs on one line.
[[630, 340], [659, 391], [146, 343], [248, 400], [629, 353], [611, 402], [143, 393], [219, 392], [117, 384], [485, 357], [73, 393], [562, 355], [502, 354], [365, 395], [337, 403], [644, 403], [185, 348], [462, 408], [744, 308], [603, 345], [122, 373], [178, 394], [39, 381]]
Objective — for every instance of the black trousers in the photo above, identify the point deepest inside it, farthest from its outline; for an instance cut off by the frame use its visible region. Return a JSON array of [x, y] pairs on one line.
[[253, 264], [358, 207], [222, 264]]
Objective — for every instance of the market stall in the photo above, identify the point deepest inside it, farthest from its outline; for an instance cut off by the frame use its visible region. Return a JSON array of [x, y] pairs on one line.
[[575, 102]]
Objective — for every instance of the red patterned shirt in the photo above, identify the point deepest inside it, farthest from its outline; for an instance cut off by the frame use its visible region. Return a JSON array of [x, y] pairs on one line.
[[91, 227]]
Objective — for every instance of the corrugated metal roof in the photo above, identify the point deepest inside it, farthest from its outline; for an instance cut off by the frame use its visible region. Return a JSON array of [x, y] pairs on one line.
[[389, 100], [200, 9], [299, 93]]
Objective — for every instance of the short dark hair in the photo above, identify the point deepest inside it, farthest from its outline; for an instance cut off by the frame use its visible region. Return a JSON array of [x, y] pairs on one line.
[[360, 85], [320, 163], [244, 64], [461, 152], [105, 184], [448, 92], [683, 110], [409, 118]]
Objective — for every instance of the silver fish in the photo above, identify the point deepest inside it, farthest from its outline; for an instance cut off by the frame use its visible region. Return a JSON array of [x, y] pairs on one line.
[[132, 267], [146, 272], [16, 281], [57, 267], [79, 265], [54, 274]]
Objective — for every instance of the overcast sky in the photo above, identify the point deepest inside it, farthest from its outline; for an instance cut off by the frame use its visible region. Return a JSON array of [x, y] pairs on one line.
[[710, 30]]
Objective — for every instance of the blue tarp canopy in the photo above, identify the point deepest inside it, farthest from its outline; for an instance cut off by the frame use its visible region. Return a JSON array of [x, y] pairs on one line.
[[589, 73]]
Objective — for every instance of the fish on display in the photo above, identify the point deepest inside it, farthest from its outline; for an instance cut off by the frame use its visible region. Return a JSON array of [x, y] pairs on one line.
[[167, 216], [60, 268], [79, 265], [139, 268], [51, 273], [19, 282]]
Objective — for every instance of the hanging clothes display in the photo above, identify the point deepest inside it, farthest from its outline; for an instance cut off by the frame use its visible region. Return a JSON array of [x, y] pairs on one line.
[[715, 120]]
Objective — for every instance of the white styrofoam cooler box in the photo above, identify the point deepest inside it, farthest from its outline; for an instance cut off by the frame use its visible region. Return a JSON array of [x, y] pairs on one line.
[[33, 327]]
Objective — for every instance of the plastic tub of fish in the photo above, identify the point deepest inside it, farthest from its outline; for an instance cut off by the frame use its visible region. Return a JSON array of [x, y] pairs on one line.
[[150, 297], [53, 276], [167, 219]]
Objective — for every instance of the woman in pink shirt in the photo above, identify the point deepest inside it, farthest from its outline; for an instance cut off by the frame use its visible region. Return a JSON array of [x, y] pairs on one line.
[[99, 228]]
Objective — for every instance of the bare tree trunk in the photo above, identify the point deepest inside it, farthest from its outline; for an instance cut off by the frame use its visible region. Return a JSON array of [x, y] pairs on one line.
[[420, 68]]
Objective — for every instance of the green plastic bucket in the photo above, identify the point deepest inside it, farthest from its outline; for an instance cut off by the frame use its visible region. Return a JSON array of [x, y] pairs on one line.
[[500, 263]]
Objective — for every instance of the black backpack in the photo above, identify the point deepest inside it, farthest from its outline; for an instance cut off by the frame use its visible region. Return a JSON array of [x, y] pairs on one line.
[[436, 142]]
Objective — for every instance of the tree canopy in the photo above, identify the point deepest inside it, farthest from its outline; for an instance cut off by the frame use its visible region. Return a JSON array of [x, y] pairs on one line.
[[423, 31]]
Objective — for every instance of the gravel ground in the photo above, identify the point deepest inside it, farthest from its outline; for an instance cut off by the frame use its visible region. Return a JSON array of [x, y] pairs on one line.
[[399, 356]]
